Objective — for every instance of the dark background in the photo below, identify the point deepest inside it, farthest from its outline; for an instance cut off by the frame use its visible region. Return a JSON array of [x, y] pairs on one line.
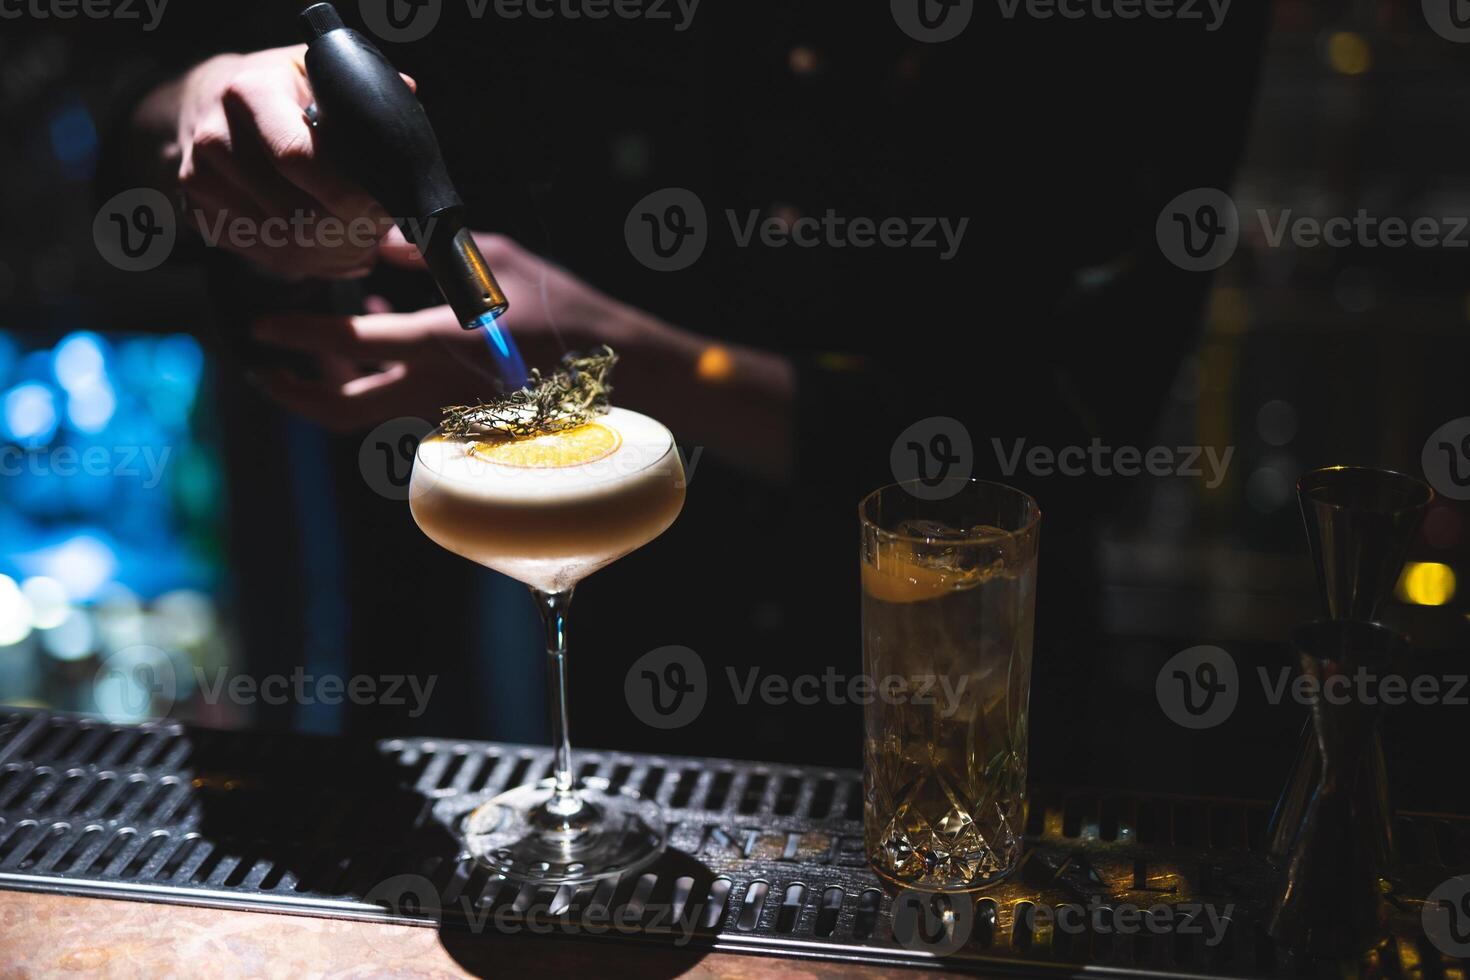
[[1059, 321]]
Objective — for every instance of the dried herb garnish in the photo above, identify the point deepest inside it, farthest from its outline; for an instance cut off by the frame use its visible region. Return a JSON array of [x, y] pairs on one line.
[[572, 395]]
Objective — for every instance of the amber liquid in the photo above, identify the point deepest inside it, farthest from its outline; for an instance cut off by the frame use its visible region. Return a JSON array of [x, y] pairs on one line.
[[945, 783]]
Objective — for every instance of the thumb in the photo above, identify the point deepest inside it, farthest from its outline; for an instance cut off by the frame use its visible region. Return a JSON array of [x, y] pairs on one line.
[[395, 249]]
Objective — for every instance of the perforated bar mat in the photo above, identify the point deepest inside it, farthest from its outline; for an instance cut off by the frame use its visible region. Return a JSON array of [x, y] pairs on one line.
[[764, 858]]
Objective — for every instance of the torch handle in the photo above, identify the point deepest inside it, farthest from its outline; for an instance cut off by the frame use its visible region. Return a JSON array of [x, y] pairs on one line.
[[379, 134]]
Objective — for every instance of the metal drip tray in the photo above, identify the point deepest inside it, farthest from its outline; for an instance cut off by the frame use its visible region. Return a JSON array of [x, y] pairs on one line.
[[764, 859]]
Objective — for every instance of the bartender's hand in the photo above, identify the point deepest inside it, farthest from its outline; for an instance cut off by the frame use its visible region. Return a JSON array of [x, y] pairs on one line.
[[231, 137], [385, 364]]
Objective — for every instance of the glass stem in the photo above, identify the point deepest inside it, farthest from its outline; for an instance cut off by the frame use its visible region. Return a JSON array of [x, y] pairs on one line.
[[553, 606]]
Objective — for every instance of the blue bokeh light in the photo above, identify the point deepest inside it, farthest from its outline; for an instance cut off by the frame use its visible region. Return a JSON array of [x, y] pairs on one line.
[[106, 490], [74, 141], [79, 361], [30, 414], [96, 439]]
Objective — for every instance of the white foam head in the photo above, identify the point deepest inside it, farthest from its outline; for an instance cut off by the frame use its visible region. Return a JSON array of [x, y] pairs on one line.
[[453, 466]]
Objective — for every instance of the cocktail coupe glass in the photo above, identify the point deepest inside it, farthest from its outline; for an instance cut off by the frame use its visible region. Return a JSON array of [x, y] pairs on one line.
[[1331, 834], [548, 511]]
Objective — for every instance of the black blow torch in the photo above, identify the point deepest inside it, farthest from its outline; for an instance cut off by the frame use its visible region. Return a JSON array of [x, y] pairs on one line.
[[376, 131]]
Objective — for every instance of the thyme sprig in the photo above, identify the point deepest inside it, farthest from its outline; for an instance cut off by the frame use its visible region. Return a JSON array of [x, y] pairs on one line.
[[570, 396]]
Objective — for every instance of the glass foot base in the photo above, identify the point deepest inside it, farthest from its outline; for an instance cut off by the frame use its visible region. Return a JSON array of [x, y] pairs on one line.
[[523, 834]]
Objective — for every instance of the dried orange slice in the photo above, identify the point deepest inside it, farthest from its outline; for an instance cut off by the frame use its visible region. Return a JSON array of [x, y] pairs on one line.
[[897, 577], [570, 447], [895, 573]]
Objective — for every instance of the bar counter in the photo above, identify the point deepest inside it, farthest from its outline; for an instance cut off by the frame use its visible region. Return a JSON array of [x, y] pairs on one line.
[[217, 838], [56, 935]]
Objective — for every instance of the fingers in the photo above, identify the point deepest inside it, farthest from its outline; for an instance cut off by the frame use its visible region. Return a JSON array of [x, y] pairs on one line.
[[230, 211], [273, 104], [249, 153], [216, 187], [499, 249], [358, 403], [395, 249], [372, 337]]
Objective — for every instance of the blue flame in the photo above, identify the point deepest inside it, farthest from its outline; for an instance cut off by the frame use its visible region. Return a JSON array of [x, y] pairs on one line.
[[508, 360]]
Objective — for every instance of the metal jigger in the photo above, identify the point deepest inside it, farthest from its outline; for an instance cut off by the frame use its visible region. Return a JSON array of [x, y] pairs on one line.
[[1331, 833], [1360, 523]]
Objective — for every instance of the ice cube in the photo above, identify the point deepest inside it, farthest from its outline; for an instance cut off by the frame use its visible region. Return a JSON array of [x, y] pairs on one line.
[[970, 555], [930, 530]]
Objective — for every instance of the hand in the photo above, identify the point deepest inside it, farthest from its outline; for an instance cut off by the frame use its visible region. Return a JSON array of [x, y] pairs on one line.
[[384, 364], [236, 142]]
